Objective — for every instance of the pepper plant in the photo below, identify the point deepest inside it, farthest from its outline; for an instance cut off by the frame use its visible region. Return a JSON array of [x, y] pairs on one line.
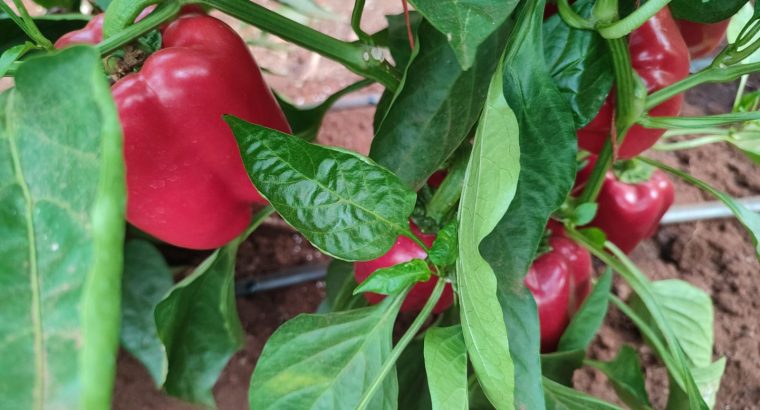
[[469, 213]]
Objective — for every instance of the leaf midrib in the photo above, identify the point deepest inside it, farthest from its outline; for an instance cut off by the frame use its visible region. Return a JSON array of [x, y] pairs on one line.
[[34, 275]]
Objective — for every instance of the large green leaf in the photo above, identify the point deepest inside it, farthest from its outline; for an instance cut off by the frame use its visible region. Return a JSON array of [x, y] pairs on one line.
[[547, 148], [435, 108], [489, 186], [446, 367], [146, 281], [521, 316], [705, 11], [327, 361], [625, 374], [580, 64], [559, 397], [52, 26], [587, 321], [466, 23], [62, 229], [547, 171], [343, 203], [199, 325]]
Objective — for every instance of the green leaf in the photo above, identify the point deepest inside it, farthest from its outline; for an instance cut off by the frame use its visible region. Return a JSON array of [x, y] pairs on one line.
[[421, 129], [339, 286], [12, 54], [705, 11], [523, 328], [146, 281], [559, 397], [707, 379], [580, 64], [466, 23], [489, 186], [444, 251], [305, 122], [62, 201], [343, 203], [395, 279], [547, 136], [560, 366], [446, 367], [548, 146], [327, 361], [413, 391], [625, 374], [586, 322], [199, 326], [749, 219], [398, 39], [51, 26]]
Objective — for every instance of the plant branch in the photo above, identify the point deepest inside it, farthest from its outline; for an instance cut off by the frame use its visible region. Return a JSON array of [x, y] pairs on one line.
[[623, 27], [163, 13], [356, 22], [25, 22], [403, 343], [698, 122], [708, 75], [626, 113], [365, 60]]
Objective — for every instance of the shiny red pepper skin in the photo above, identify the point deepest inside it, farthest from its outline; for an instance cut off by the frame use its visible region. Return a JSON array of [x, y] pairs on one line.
[[186, 182], [630, 213], [560, 280], [402, 251], [660, 56], [702, 39]]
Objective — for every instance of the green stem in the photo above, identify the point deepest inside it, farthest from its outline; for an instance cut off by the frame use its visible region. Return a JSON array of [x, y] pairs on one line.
[[623, 27], [25, 22], [258, 218], [703, 131], [708, 75], [698, 122], [740, 92], [447, 195], [626, 114], [356, 22], [419, 321], [689, 144], [571, 17], [163, 13], [646, 331], [365, 60]]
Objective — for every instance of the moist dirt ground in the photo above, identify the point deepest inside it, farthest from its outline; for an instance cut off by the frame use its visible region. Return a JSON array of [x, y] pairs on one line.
[[717, 256]]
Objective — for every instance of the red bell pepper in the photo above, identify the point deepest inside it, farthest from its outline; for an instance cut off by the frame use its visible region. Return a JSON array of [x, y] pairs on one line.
[[628, 213], [560, 280], [186, 182], [702, 39], [660, 56], [402, 251]]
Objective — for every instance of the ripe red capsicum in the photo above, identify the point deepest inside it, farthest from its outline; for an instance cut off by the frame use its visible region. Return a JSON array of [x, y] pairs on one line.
[[186, 182], [402, 251], [660, 56], [702, 39], [560, 280], [628, 213]]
